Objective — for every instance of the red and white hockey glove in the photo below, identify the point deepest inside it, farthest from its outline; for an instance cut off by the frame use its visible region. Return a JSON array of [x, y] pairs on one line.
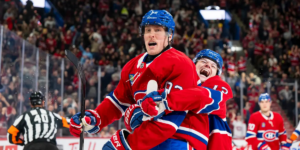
[[91, 122], [263, 146], [154, 105], [148, 103], [133, 117], [118, 141]]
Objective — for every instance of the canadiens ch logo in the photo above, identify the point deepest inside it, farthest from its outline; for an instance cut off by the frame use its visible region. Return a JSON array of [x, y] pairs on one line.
[[269, 135], [263, 125]]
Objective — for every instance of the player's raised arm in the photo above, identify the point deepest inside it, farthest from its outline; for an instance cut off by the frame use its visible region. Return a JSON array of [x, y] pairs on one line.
[[199, 100]]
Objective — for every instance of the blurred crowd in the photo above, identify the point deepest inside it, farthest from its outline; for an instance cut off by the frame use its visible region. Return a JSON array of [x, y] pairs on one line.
[[271, 43], [105, 35]]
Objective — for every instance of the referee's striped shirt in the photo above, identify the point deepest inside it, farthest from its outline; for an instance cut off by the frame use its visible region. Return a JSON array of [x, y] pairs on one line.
[[36, 125]]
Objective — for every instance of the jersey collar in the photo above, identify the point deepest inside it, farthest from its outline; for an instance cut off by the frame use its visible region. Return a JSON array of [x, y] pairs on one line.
[[142, 59], [268, 118]]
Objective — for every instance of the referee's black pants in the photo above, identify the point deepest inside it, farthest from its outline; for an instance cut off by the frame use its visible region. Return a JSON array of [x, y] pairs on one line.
[[40, 146]]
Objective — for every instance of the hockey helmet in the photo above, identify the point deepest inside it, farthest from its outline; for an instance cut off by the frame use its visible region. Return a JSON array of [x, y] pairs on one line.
[[264, 97], [36, 98], [212, 55], [158, 17]]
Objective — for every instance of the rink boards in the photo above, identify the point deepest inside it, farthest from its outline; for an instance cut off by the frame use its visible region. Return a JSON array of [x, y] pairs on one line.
[[97, 143]]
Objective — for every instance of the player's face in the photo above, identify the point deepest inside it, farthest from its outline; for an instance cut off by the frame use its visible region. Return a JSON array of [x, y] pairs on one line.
[[206, 68], [265, 106], [155, 38]]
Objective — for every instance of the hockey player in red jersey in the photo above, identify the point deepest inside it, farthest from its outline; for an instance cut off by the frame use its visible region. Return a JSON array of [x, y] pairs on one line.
[[209, 98], [265, 128], [166, 66]]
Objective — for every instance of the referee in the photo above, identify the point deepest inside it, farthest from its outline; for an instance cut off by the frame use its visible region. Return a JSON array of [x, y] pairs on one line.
[[38, 126]]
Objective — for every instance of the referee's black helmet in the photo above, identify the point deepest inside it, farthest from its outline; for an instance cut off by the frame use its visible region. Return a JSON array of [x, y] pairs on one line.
[[36, 98]]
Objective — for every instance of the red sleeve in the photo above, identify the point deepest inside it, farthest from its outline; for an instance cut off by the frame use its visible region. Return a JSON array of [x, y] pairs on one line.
[[216, 83], [149, 134], [251, 132], [282, 132], [116, 103], [198, 100]]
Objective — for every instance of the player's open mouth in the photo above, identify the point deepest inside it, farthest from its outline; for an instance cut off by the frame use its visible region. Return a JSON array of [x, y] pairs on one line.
[[205, 72], [152, 43]]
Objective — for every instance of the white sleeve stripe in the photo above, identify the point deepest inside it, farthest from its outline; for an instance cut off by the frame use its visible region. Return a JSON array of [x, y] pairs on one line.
[[139, 92], [57, 116], [120, 109], [17, 121], [281, 133], [125, 104], [251, 132], [194, 132], [248, 137], [221, 132], [168, 122]]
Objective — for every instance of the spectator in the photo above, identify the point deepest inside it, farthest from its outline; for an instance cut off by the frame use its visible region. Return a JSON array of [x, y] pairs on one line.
[[239, 127], [86, 54], [242, 67], [50, 22], [231, 66], [285, 96], [272, 61], [252, 95], [254, 78]]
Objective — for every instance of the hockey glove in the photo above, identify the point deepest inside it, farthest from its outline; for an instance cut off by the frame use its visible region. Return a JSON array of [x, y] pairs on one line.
[[133, 117], [91, 122], [286, 146], [148, 103], [263, 146], [161, 104], [118, 141]]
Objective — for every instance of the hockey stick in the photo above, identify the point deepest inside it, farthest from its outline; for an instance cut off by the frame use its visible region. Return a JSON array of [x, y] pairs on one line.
[[151, 86], [81, 75]]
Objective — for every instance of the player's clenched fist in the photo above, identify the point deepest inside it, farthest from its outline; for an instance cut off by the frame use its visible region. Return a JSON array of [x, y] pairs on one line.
[[133, 117], [154, 104], [91, 122], [148, 103]]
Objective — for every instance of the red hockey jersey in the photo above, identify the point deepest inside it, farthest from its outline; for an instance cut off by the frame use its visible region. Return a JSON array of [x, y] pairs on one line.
[[209, 98], [220, 136], [170, 68], [262, 128]]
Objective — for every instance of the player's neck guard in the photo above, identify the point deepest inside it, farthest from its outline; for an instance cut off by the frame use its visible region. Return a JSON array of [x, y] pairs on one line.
[[150, 58]]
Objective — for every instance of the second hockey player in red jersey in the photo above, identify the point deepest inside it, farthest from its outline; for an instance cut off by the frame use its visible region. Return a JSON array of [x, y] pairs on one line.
[[265, 128], [209, 98]]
